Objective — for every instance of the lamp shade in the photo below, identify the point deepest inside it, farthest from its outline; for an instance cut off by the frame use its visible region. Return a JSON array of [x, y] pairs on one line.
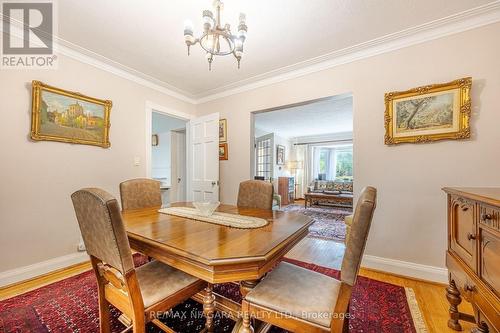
[[296, 165]]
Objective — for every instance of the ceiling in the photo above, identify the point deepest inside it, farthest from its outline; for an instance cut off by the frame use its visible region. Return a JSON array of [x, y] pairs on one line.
[[147, 36], [330, 116]]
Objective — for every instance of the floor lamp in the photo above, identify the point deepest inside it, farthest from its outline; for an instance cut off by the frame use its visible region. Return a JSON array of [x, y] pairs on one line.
[[294, 166]]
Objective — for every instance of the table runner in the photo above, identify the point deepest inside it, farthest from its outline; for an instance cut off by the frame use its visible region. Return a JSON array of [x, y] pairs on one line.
[[225, 219]]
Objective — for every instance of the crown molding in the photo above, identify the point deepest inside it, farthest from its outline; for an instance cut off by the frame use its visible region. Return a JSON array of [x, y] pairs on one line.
[[76, 52], [91, 58], [460, 22], [453, 24]]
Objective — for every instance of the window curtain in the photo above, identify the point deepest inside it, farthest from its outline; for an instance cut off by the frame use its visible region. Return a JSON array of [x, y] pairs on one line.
[[332, 165], [315, 167]]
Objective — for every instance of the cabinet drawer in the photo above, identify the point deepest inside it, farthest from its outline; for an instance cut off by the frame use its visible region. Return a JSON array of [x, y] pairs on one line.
[[462, 233], [489, 217]]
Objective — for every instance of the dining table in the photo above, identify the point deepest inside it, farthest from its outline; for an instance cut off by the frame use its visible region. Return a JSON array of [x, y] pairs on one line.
[[217, 253]]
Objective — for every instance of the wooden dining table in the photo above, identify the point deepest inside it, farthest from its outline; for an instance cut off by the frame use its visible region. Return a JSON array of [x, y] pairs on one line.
[[217, 253]]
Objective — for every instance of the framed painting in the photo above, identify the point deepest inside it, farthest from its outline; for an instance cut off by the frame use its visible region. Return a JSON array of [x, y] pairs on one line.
[[429, 113], [65, 116], [280, 155], [223, 153], [223, 130]]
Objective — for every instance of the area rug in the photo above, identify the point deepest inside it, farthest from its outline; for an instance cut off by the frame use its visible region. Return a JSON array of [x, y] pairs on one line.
[[70, 305], [328, 221]]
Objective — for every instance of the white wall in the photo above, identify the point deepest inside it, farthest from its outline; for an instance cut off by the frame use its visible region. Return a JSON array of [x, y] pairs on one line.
[[410, 220], [281, 170], [36, 214]]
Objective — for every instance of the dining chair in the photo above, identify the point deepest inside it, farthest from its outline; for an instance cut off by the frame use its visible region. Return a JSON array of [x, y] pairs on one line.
[[301, 300], [139, 293], [255, 194], [140, 193]]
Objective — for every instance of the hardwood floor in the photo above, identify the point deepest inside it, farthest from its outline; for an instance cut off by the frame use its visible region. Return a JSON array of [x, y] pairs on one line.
[[430, 296]]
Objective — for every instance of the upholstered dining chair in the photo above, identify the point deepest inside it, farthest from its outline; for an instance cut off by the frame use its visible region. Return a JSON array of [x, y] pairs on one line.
[[300, 300], [139, 293], [255, 194], [140, 193]]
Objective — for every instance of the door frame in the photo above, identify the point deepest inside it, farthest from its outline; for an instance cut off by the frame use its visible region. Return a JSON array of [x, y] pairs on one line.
[[174, 181], [150, 108]]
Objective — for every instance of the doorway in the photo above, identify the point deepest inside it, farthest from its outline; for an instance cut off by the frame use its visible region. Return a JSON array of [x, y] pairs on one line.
[[306, 151], [168, 156]]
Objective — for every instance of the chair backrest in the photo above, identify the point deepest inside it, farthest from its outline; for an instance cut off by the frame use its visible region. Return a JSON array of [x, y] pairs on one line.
[[255, 194], [102, 228], [355, 247], [140, 193]]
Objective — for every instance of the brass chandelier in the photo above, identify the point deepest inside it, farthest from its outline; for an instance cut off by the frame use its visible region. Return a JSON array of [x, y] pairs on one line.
[[217, 40]]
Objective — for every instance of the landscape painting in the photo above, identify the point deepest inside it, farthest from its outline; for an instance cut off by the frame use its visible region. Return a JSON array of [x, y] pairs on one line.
[[64, 116], [426, 113], [429, 113]]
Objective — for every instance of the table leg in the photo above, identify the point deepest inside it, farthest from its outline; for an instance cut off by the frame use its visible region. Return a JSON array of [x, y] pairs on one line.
[[305, 203], [209, 308], [245, 325]]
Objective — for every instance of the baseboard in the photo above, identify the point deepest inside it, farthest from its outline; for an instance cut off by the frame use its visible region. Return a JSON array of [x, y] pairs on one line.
[[418, 271], [28, 272], [404, 268]]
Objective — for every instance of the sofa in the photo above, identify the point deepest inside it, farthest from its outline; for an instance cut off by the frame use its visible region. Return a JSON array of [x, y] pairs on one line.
[[335, 190]]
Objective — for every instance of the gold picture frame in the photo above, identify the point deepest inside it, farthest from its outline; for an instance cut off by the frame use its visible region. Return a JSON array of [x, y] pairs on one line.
[[66, 116], [223, 152], [223, 130], [429, 113]]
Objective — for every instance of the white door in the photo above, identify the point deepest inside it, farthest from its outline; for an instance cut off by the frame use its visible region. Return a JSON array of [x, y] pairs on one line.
[[178, 190], [203, 158]]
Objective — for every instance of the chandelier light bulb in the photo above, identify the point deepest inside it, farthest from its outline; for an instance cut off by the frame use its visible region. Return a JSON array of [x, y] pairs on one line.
[[188, 27], [208, 20]]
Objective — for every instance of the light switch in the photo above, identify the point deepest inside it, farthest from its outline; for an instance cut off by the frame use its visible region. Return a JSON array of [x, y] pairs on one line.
[[137, 161]]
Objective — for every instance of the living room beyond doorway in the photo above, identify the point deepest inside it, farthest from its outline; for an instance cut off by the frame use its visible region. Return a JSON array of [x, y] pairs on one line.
[[306, 151]]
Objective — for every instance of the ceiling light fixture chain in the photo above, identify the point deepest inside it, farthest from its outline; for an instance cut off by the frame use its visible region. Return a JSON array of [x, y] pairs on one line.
[[217, 40]]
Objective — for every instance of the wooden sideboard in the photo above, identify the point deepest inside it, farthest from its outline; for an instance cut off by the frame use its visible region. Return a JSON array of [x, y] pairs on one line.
[[286, 189], [473, 256]]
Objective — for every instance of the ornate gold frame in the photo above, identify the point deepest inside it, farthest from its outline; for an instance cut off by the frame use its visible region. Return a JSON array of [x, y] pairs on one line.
[[223, 122], [226, 153], [37, 88], [463, 132]]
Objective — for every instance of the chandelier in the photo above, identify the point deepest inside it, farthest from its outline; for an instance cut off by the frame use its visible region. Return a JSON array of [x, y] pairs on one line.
[[217, 40]]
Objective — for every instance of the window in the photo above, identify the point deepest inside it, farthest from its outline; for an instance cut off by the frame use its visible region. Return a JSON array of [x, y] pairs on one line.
[[264, 156], [344, 164], [333, 163]]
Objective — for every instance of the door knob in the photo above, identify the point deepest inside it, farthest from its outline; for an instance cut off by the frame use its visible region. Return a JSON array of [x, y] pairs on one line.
[[214, 183]]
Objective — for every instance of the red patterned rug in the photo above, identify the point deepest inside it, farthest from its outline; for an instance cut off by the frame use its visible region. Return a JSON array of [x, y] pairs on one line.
[[70, 305], [328, 221]]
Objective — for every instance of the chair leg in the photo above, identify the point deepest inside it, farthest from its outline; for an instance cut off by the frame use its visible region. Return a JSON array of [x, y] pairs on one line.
[[139, 326], [104, 323], [345, 328], [246, 327]]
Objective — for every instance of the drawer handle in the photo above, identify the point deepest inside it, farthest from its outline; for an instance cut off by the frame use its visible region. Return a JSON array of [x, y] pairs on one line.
[[470, 288], [471, 236], [487, 217]]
